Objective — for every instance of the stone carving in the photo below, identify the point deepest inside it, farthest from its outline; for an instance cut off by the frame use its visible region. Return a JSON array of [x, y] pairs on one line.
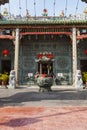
[[62, 62], [12, 79], [78, 80]]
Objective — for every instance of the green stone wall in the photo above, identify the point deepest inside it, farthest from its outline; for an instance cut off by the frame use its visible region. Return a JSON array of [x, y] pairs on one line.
[[62, 50]]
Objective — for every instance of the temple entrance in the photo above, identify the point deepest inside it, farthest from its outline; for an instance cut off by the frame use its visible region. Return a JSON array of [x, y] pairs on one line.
[[5, 66], [83, 64], [46, 68]]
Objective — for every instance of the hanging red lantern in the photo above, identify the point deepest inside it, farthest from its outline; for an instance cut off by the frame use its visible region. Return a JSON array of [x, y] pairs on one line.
[[86, 52], [5, 52]]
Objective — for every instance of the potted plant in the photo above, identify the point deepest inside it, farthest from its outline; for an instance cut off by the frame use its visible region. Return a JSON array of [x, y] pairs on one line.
[[85, 78], [4, 77]]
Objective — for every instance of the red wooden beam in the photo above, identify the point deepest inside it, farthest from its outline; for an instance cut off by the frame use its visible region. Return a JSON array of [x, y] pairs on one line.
[[43, 33], [7, 37], [82, 36]]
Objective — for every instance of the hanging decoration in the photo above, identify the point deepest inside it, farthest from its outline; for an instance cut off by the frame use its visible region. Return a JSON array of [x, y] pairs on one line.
[[85, 52], [5, 52], [48, 55]]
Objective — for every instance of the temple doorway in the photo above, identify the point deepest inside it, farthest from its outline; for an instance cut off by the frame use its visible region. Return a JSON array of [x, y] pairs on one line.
[[5, 66], [83, 64]]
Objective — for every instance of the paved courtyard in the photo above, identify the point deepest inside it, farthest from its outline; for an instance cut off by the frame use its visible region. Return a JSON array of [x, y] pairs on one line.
[[26, 108]]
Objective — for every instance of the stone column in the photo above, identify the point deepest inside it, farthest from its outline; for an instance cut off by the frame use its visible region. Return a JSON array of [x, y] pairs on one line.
[[16, 55], [40, 68], [74, 48]]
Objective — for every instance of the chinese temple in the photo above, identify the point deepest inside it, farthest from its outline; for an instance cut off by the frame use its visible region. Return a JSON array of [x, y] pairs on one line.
[[56, 44]]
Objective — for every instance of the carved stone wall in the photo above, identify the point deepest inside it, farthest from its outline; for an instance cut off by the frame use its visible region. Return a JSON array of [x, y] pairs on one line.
[[62, 54]]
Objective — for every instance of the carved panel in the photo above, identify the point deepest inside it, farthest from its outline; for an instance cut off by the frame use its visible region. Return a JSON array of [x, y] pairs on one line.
[[29, 54], [63, 62]]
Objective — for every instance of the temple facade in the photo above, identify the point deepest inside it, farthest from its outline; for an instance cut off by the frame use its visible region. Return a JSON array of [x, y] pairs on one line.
[[21, 42]]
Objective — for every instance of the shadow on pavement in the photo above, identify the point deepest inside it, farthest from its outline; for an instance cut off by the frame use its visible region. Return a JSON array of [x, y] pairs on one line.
[[19, 97]]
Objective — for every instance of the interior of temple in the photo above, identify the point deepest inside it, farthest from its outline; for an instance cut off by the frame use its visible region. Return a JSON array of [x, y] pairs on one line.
[[47, 68]]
